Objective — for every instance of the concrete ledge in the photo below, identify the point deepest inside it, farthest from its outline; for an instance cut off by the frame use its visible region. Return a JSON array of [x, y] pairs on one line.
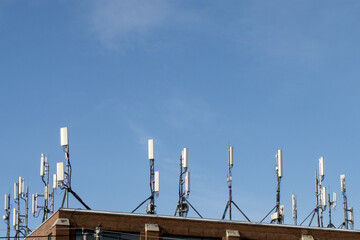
[[61, 222], [232, 233], [307, 237], [151, 228]]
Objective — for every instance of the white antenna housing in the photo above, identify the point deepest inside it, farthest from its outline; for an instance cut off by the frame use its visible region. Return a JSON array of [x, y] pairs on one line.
[[34, 204], [60, 171], [42, 164], [15, 191], [6, 202], [231, 156], [342, 182], [157, 182], [187, 183], [282, 211], [14, 217], [323, 197], [351, 210], [55, 183], [321, 167], [294, 206], [279, 163], [46, 192], [185, 158], [64, 136], [151, 149], [334, 199], [21, 186]]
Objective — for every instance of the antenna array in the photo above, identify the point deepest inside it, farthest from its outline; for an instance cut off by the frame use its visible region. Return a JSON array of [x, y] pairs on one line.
[[229, 180], [20, 220], [154, 181], [182, 207], [348, 212]]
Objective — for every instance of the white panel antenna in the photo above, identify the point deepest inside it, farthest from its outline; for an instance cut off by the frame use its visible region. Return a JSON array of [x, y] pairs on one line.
[[282, 211], [64, 136], [279, 163], [231, 156], [351, 210], [294, 206], [187, 183], [15, 191], [6, 202], [42, 164], [342, 182], [323, 197], [34, 204], [185, 158], [60, 171], [21, 186], [334, 199], [151, 149], [55, 183], [46, 192], [321, 167], [157, 182], [14, 217]]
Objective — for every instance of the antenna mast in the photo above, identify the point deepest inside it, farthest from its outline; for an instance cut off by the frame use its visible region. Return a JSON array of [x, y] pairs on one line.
[[6, 217], [229, 180], [184, 186], [20, 221], [278, 215], [346, 222], [331, 204], [320, 196], [65, 181], [154, 181], [48, 206]]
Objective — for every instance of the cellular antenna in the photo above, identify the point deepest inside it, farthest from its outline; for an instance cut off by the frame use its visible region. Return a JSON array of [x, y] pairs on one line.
[[278, 215], [20, 220], [182, 207], [294, 208], [154, 181], [347, 210], [229, 180], [331, 204], [48, 207], [63, 179], [6, 217]]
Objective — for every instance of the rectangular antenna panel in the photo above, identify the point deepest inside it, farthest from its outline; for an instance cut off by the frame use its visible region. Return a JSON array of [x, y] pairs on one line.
[[6, 202], [42, 164], [274, 216], [55, 184], [151, 149], [231, 156], [334, 199], [187, 183], [15, 191], [21, 186], [321, 166], [323, 197], [33, 205], [294, 205], [60, 171], [351, 210], [64, 136], [342, 182], [282, 211], [157, 182], [14, 217], [185, 157], [279, 163], [46, 192]]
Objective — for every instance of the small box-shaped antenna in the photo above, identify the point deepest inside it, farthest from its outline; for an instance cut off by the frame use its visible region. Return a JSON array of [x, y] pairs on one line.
[[321, 167], [46, 192], [279, 163], [64, 136], [342, 182], [60, 171], [351, 210], [334, 199], [151, 149], [187, 183], [231, 156], [42, 164], [157, 182], [55, 183], [185, 158], [323, 197], [15, 191], [14, 217], [294, 206], [282, 211], [6, 202]]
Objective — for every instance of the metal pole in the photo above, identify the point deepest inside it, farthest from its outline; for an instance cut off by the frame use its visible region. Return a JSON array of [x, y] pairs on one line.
[[68, 181], [317, 199]]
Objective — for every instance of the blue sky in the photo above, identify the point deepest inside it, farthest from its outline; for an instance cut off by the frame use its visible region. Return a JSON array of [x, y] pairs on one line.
[[258, 75]]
